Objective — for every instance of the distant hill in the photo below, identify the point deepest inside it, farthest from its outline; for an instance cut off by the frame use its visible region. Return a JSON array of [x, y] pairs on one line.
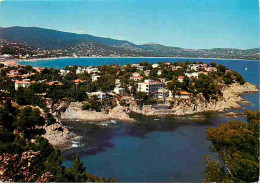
[[53, 40]]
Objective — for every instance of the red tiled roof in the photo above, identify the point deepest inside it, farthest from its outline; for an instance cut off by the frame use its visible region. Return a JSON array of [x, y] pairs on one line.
[[137, 77], [22, 82], [185, 93], [78, 81]]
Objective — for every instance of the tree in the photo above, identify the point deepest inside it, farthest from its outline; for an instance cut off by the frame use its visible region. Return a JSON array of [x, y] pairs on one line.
[[213, 64], [215, 171], [221, 69], [50, 119], [53, 164], [237, 143], [77, 172], [28, 118]]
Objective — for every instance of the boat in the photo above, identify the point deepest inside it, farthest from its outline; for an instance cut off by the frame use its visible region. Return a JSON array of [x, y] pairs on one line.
[[112, 122], [246, 69], [103, 124]]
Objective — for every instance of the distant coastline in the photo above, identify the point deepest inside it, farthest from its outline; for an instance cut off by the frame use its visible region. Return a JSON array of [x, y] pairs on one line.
[[56, 58]]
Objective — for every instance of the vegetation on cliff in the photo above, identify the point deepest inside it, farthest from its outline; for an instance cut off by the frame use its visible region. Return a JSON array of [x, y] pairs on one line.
[[237, 144], [26, 156]]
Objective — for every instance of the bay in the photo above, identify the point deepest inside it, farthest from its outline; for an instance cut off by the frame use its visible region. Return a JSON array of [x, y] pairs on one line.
[[165, 149]]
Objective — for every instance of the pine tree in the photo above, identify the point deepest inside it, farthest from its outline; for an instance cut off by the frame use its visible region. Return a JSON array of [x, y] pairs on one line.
[[78, 170]]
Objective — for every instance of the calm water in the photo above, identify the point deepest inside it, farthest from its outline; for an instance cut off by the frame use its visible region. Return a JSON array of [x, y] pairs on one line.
[[252, 74], [168, 149]]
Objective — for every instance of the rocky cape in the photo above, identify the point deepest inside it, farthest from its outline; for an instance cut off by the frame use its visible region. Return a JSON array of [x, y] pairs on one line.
[[75, 112], [230, 99]]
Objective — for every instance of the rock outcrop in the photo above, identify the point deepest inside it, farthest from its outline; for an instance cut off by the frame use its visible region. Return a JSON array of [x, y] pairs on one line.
[[230, 99], [74, 112], [59, 136]]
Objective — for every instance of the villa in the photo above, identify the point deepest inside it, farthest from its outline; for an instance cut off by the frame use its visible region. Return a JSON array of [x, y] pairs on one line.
[[99, 94], [211, 69], [198, 67], [21, 84], [150, 86], [136, 78], [193, 74], [181, 78], [161, 93], [119, 91], [95, 77]]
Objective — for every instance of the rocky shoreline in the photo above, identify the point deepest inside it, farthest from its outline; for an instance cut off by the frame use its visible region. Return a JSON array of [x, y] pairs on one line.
[[230, 99], [74, 112], [59, 136]]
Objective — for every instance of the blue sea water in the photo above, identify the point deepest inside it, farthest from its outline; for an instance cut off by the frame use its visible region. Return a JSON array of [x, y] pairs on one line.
[[251, 75], [168, 149]]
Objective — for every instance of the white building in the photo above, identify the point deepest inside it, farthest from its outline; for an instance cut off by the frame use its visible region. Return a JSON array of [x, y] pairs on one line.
[[23, 84], [117, 83], [159, 72], [136, 78], [198, 67], [90, 70], [193, 74], [95, 77], [175, 68], [79, 70], [119, 91], [211, 69], [135, 74], [161, 93], [99, 94], [140, 67], [181, 78], [147, 72], [150, 86], [64, 72], [155, 65], [135, 65]]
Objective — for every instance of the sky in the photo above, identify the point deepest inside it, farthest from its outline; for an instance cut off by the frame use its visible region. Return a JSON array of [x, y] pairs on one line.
[[181, 23]]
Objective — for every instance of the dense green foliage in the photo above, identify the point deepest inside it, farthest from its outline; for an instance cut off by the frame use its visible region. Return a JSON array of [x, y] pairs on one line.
[[237, 144], [45, 161]]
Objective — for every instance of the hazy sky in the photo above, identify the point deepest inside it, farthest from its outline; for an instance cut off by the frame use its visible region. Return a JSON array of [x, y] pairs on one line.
[[182, 23]]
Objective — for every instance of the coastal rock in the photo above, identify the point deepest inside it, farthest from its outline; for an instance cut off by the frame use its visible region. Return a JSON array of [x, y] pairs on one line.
[[59, 136], [74, 112], [230, 99], [234, 115]]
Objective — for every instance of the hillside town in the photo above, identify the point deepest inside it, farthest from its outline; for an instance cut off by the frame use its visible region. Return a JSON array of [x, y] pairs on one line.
[[22, 50], [15, 50]]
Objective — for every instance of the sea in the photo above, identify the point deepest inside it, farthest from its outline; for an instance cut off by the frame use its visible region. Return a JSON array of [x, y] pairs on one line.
[[154, 149]]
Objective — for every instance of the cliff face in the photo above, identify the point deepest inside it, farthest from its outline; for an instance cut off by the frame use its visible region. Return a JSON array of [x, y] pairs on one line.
[[74, 112], [229, 99]]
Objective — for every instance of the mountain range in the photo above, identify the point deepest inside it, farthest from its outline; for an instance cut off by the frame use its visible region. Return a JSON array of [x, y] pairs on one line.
[[49, 39]]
